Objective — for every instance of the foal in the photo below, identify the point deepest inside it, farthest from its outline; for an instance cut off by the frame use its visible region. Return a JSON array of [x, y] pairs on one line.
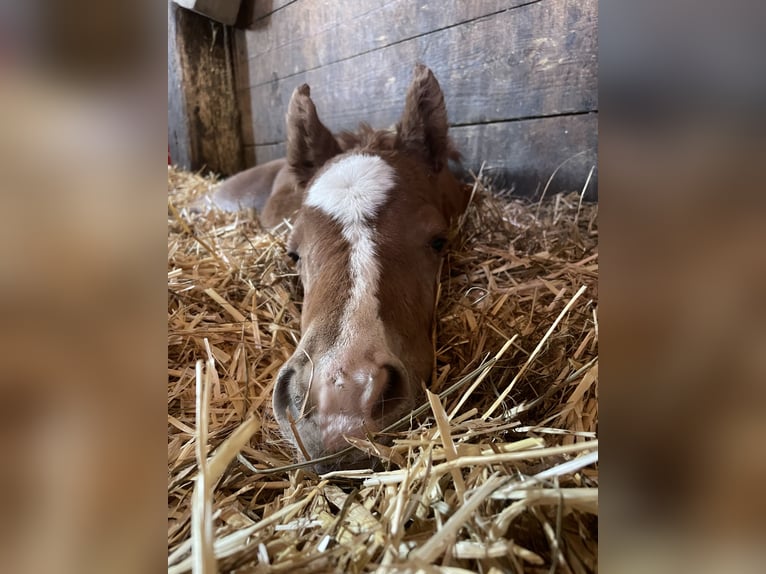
[[371, 215], [368, 239]]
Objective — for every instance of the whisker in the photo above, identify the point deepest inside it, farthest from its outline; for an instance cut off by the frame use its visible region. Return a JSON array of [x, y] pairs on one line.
[[296, 435], [308, 387]]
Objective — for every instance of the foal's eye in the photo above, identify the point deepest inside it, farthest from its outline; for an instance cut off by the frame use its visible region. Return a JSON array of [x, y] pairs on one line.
[[438, 243], [294, 256]]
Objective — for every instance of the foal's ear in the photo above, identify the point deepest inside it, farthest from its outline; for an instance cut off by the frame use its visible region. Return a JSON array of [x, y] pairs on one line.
[[309, 143], [423, 126]]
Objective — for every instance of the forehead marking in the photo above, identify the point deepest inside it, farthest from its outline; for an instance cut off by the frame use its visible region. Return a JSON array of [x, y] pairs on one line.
[[352, 192]]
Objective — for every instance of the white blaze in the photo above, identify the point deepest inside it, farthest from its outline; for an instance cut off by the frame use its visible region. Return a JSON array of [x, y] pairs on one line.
[[352, 192]]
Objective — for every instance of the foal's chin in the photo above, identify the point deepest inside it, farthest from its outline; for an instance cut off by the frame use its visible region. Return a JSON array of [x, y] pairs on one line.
[[356, 460], [322, 439]]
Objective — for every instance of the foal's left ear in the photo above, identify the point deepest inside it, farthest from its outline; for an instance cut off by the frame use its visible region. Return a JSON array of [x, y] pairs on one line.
[[309, 143], [423, 126]]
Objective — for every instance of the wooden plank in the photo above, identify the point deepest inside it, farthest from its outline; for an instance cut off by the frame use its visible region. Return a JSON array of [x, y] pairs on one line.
[[256, 13], [519, 155], [224, 11], [210, 118], [536, 60], [310, 34], [263, 153], [178, 128], [239, 51], [241, 78], [522, 155]]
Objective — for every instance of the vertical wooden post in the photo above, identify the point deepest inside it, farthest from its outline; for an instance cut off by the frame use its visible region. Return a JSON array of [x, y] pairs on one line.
[[204, 131]]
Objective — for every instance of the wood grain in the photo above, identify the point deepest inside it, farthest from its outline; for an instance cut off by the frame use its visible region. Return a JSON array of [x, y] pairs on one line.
[[310, 34], [207, 114], [254, 14], [178, 124], [518, 155], [519, 77], [537, 60], [522, 155]]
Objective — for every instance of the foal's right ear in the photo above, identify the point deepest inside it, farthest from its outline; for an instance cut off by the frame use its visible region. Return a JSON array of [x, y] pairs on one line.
[[309, 143]]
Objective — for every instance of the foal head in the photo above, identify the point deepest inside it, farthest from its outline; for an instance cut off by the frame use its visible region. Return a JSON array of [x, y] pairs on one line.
[[368, 242]]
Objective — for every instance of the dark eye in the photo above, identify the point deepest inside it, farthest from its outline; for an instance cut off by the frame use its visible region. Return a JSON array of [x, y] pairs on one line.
[[294, 256], [438, 243]]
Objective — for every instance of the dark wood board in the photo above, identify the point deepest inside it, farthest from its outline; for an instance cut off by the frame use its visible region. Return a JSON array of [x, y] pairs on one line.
[[534, 61], [519, 155], [310, 34], [254, 14], [205, 113], [178, 127], [264, 153], [522, 155]]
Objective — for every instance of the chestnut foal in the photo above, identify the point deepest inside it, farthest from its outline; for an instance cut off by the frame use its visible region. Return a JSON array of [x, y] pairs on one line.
[[372, 221]]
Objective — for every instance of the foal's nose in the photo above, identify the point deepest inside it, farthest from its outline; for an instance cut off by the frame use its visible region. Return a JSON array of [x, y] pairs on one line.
[[391, 392], [356, 397], [367, 391]]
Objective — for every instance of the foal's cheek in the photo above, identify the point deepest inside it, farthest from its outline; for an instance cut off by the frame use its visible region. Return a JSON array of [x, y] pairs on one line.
[[303, 276]]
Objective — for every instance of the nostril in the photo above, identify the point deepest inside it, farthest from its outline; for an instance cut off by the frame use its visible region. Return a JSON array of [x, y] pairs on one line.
[[282, 393], [393, 395]]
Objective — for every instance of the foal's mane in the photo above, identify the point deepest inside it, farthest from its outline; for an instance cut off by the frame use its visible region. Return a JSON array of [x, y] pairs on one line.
[[366, 138]]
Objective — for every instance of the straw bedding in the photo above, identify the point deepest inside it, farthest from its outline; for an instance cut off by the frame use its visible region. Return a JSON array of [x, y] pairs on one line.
[[498, 473]]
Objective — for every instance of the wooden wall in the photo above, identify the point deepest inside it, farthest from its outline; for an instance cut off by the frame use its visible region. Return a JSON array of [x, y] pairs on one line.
[[519, 77], [204, 123]]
